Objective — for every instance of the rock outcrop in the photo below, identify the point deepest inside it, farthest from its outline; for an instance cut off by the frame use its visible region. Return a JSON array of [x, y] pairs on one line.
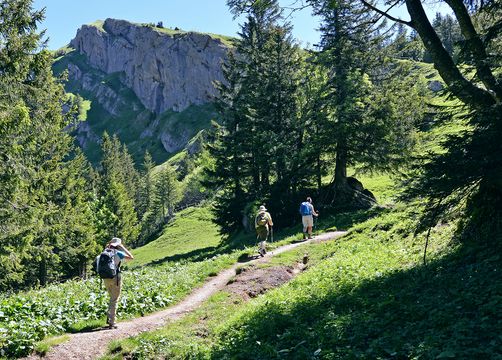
[[152, 87], [167, 70]]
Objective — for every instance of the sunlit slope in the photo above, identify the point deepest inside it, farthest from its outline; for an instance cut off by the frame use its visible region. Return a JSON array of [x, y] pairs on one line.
[[190, 234]]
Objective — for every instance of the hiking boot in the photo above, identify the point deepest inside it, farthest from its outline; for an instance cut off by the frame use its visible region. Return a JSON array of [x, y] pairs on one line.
[[310, 237], [112, 326]]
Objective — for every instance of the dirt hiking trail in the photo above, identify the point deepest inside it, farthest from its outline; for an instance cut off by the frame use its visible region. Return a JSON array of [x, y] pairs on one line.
[[92, 345]]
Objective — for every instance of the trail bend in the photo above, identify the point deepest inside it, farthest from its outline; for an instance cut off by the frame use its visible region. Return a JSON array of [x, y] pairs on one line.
[[93, 344]]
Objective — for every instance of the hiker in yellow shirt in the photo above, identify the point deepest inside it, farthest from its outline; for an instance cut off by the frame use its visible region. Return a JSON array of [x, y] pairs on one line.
[[263, 223]]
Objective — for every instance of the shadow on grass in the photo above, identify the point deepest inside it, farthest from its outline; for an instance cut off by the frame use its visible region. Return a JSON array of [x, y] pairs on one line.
[[330, 219], [87, 326], [193, 256], [448, 309]]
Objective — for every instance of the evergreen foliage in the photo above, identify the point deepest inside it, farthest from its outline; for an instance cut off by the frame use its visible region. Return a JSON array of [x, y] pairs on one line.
[[369, 125], [44, 202], [464, 178], [119, 182], [167, 193], [258, 145], [285, 114]]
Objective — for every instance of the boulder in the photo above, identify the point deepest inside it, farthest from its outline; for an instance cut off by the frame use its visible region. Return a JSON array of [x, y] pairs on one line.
[[435, 85]]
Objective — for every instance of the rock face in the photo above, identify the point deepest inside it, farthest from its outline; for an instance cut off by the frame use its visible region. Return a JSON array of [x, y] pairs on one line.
[[166, 71], [152, 87]]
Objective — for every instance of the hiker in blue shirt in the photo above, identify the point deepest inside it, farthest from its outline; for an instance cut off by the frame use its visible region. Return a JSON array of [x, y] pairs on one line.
[[307, 211]]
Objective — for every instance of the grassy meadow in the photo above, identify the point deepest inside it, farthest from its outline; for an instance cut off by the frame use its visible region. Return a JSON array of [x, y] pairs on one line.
[[365, 296]]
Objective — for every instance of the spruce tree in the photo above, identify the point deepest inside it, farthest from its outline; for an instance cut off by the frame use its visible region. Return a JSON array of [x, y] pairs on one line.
[[167, 194], [146, 185], [467, 174], [38, 214], [117, 193], [258, 146], [360, 121]]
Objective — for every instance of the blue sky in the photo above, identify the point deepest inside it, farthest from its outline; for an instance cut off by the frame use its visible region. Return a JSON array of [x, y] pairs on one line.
[[63, 18]]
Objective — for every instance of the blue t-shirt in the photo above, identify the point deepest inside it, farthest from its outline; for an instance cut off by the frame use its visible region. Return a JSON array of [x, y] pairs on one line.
[[119, 255]]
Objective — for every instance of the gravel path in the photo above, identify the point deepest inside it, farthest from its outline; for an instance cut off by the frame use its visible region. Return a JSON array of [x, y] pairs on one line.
[[91, 345]]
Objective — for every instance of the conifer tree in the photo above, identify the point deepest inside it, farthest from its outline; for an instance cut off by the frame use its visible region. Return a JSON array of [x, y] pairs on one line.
[[146, 186], [467, 174], [258, 143], [360, 121], [167, 193], [116, 207], [38, 214]]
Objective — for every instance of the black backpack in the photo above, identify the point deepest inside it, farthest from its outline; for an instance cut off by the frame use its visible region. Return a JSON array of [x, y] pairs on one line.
[[105, 264]]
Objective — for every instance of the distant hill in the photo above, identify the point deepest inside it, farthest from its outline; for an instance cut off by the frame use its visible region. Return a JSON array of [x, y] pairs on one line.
[[152, 86]]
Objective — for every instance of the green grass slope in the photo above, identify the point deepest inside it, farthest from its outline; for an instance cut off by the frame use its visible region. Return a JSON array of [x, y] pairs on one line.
[[373, 299], [28, 317], [367, 296], [191, 233], [162, 273]]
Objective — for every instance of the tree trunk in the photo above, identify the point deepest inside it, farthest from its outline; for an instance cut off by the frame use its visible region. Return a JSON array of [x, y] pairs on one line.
[[319, 172], [348, 195], [340, 181], [457, 83], [42, 272], [476, 47]]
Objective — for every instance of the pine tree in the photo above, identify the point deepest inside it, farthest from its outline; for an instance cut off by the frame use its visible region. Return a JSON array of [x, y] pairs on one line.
[[36, 210], [467, 174], [258, 146], [78, 244], [146, 185], [313, 122], [360, 122], [167, 194], [448, 31], [117, 193]]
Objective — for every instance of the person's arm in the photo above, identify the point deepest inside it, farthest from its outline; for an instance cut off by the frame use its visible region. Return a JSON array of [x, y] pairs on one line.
[[128, 254], [313, 211], [270, 222]]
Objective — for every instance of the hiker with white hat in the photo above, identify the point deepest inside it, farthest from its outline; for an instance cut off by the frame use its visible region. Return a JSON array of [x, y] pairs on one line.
[[263, 223], [108, 268]]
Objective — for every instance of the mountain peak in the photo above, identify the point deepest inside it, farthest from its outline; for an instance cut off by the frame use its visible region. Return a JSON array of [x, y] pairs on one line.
[[167, 69]]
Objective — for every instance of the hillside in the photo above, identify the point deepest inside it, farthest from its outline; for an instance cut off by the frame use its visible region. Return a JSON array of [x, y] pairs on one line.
[[151, 86], [372, 159], [366, 296]]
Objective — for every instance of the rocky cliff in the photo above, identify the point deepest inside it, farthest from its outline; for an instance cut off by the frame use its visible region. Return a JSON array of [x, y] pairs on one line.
[[167, 70], [151, 86]]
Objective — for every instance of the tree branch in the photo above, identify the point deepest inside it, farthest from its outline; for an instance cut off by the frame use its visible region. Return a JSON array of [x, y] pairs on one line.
[[465, 90], [386, 14], [476, 47]]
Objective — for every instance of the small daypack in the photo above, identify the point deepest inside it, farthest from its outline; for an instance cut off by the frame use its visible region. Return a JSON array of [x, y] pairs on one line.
[[261, 220], [305, 209], [105, 264]]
